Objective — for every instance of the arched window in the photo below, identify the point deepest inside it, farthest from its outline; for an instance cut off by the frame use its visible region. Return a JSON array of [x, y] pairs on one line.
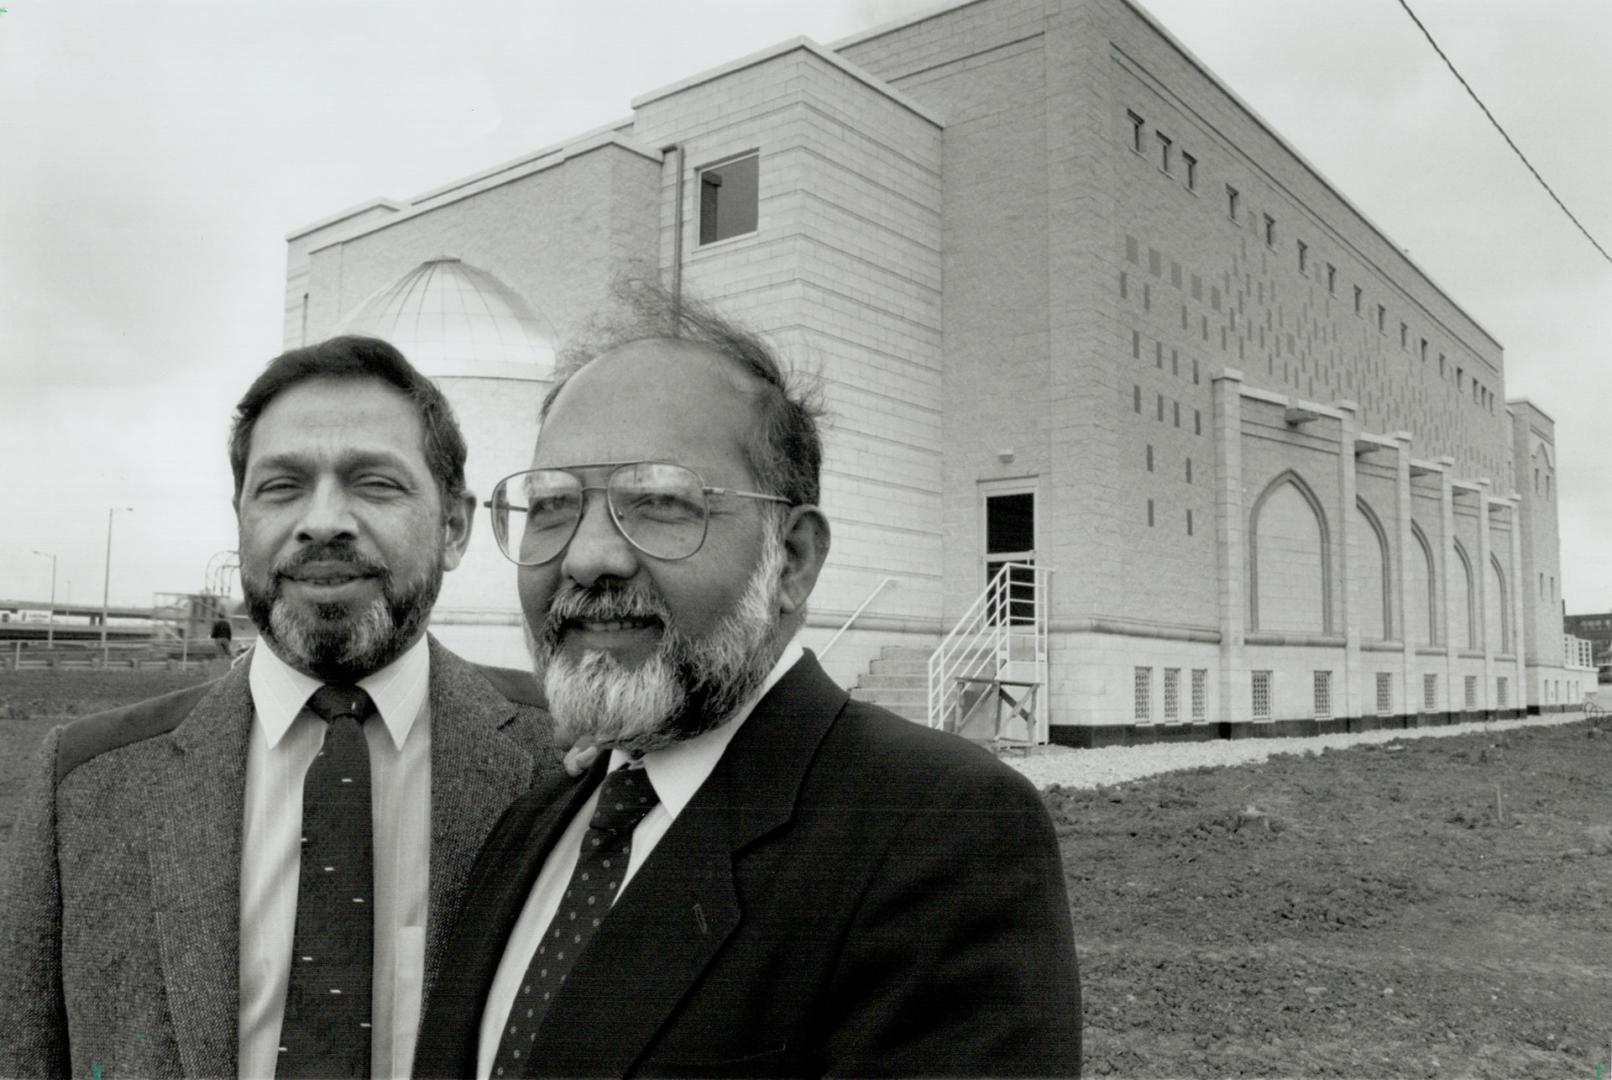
[[1465, 618], [1372, 590], [1289, 559], [1421, 606], [1498, 610]]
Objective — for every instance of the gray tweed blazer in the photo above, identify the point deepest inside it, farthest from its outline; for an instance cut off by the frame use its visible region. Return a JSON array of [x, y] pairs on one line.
[[120, 893]]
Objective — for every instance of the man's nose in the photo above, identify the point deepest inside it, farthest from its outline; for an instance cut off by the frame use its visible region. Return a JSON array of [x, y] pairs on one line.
[[598, 549], [327, 514]]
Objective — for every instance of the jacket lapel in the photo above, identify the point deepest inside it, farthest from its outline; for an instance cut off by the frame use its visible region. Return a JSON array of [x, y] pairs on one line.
[[499, 883], [477, 770], [683, 904], [195, 853]]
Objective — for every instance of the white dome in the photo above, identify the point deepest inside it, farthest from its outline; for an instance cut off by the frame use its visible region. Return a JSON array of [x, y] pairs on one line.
[[452, 319]]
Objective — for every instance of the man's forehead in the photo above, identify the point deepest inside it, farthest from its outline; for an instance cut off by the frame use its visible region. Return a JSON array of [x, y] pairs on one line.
[[655, 399]]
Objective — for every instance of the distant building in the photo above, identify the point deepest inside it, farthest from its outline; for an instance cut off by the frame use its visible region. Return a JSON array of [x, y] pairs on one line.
[[1078, 309]]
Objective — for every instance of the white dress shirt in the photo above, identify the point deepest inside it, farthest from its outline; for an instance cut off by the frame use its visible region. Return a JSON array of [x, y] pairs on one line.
[[676, 772], [284, 743]]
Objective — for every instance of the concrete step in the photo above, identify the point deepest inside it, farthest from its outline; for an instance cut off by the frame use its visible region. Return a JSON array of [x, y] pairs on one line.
[[904, 652], [900, 681], [891, 696], [918, 669]]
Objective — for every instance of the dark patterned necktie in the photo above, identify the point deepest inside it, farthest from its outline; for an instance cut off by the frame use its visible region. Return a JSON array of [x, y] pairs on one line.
[[326, 1031], [624, 798]]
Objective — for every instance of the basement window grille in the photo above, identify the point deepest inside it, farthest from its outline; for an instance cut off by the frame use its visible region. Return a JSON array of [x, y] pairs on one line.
[[1172, 695], [1430, 693], [1323, 695], [1385, 693], [1472, 691], [1262, 695], [1144, 695], [1200, 694]]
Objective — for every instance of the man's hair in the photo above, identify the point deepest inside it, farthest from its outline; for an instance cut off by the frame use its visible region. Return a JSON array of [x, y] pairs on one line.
[[355, 357], [784, 449]]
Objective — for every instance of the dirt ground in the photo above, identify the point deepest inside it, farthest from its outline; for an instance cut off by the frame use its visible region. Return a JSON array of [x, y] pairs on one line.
[[1429, 908]]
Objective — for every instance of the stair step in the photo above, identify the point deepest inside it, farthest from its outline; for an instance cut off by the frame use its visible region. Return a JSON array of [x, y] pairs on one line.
[[904, 652], [919, 668], [895, 681], [888, 696]]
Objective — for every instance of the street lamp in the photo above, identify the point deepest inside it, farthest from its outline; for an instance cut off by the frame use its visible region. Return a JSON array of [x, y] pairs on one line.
[[106, 588], [50, 618]]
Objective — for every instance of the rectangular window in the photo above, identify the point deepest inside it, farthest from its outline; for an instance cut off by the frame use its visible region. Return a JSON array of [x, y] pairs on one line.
[[1382, 319], [1144, 695], [1195, 373], [1304, 257], [1332, 279], [1385, 693], [1178, 414], [1422, 350], [1471, 691], [1232, 201], [1189, 470], [1262, 695], [1404, 336], [1189, 522], [1323, 695], [1161, 408], [1270, 231], [729, 198], [1172, 695], [1164, 151], [1197, 421], [1136, 344], [1441, 365], [1358, 295], [1200, 694], [1191, 164], [1150, 513], [1149, 457], [1430, 693], [1136, 130]]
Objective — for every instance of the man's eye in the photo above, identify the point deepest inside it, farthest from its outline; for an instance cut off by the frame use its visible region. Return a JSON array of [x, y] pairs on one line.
[[379, 484], [278, 486]]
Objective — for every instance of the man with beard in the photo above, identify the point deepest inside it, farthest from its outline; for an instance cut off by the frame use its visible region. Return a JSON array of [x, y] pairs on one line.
[[254, 877], [758, 876]]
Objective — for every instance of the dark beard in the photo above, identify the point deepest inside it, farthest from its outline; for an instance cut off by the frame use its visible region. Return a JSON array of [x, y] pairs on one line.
[[332, 641]]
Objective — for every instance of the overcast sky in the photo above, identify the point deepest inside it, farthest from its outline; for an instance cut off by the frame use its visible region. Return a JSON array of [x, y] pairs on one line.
[[153, 156]]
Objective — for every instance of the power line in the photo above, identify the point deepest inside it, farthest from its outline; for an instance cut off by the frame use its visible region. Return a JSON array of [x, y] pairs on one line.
[[1515, 149]]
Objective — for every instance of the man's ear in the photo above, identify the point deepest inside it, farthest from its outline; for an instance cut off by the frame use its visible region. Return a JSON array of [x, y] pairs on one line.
[[458, 516], [806, 540]]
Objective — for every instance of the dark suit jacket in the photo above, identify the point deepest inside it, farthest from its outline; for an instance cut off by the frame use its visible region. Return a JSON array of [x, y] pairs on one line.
[[120, 900], [849, 893]]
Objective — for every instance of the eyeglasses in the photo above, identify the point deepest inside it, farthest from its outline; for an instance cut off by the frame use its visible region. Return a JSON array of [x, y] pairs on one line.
[[660, 508]]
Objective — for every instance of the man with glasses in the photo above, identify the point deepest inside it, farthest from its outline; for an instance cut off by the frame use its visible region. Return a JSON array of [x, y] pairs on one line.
[[254, 877], [757, 876]]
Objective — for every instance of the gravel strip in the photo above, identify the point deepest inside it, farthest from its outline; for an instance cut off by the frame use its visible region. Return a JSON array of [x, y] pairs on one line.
[[1074, 768]]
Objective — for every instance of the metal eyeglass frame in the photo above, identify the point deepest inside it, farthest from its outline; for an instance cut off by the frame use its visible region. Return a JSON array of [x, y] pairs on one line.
[[615, 467]]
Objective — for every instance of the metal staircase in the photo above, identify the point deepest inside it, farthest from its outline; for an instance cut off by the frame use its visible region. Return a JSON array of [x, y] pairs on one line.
[[996, 656]]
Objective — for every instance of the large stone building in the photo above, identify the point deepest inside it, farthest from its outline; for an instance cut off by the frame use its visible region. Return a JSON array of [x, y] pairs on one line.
[[1076, 309]]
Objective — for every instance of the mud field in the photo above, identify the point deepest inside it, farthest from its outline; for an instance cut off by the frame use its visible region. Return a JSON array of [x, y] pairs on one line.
[[1425, 908]]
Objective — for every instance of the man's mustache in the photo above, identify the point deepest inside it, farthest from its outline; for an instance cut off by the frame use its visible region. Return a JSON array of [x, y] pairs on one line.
[[327, 553], [603, 603]]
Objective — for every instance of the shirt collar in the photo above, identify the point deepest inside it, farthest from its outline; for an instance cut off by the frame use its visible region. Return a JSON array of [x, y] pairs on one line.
[[279, 691], [677, 771]]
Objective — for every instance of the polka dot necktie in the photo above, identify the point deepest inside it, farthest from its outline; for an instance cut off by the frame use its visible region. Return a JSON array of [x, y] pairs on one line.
[[624, 798], [326, 1031]]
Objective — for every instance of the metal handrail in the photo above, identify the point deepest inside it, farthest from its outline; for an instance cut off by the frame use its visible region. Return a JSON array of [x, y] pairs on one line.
[[855, 615], [979, 646]]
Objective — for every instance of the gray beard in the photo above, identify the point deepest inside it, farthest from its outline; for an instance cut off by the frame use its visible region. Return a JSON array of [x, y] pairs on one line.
[[329, 642], [688, 687]]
